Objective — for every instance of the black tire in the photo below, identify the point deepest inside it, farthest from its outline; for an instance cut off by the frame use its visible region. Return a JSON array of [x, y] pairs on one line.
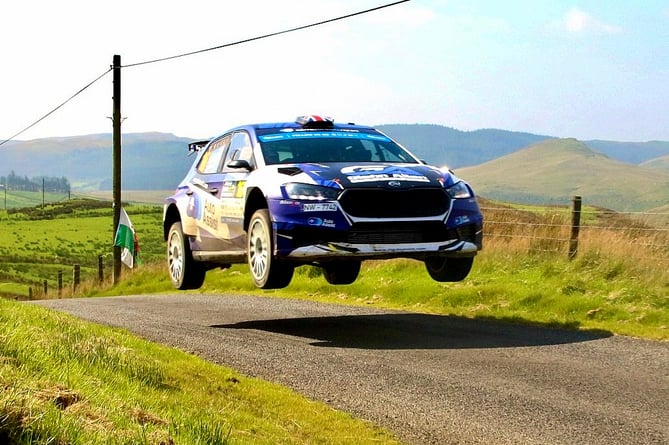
[[445, 269], [341, 272], [267, 272], [185, 272]]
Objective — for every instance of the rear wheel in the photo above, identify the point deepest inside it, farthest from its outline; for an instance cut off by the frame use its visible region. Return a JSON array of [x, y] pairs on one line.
[[448, 269], [341, 272], [267, 272], [185, 272]]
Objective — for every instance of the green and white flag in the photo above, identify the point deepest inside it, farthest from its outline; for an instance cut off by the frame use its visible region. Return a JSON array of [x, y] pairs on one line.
[[126, 238]]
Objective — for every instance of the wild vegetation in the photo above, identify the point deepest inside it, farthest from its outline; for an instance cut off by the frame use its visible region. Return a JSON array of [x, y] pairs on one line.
[[618, 281], [67, 381]]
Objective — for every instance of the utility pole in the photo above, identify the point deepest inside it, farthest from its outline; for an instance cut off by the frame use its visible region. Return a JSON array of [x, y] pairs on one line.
[[116, 169]]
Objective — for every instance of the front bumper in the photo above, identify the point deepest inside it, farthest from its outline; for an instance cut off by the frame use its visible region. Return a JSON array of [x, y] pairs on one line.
[[383, 251]]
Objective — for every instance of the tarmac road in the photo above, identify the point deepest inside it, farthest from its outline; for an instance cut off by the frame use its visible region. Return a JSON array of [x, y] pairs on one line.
[[429, 379]]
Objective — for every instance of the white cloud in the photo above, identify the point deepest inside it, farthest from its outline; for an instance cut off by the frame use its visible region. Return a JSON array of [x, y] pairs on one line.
[[577, 21]]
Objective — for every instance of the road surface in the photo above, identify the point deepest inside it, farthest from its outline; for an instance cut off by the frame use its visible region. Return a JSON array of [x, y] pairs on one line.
[[429, 379]]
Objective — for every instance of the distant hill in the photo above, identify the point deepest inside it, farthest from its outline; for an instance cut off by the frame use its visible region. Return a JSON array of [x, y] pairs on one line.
[[150, 161], [631, 152], [158, 161], [661, 163], [554, 170], [440, 145]]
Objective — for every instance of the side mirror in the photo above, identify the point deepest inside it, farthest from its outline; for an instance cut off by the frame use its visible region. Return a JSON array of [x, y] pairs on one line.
[[240, 163]]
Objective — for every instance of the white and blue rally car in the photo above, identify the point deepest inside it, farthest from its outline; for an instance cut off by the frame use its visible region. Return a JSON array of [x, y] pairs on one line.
[[316, 192]]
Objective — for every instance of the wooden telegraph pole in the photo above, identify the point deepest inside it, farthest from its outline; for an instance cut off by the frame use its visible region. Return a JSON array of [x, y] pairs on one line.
[[116, 169]]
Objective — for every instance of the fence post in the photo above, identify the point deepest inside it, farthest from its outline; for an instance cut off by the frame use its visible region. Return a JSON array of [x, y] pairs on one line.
[[60, 283], [575, 226], [101, 273], [45, 287], [30, 293], [76, 275]]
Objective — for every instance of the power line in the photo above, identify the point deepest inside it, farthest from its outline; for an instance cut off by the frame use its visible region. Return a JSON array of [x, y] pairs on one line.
[[265, 36], [55, 109], [226, 45]]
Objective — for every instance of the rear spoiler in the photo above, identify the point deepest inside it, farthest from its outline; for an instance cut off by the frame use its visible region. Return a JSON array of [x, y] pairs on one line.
[[196, 146]]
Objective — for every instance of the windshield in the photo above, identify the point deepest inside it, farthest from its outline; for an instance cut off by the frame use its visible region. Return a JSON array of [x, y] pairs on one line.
[[331, 146]]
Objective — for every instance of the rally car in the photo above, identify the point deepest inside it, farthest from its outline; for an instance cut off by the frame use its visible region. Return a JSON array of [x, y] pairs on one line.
[[313, 191]]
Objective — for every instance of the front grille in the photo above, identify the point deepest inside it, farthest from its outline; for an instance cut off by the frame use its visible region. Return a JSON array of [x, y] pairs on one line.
[[396, 233], [380, 203]]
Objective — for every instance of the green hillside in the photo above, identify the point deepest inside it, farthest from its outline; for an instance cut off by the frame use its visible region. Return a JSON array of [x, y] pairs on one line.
[[555, 170], [661, 163], [439, 145], [630, 152], [158, 161], [150, 161]]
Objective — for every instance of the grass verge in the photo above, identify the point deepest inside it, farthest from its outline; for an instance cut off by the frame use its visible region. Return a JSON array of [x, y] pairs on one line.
[[66, 381]]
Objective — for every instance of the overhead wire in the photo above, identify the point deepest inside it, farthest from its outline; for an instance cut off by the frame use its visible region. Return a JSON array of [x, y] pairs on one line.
[[265, 36], [226, 45], [57, 108]]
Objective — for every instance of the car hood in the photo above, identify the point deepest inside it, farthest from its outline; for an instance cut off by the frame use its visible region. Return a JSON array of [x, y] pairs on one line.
[[364, 175]]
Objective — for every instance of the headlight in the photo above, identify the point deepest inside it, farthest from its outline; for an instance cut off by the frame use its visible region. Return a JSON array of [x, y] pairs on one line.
[[459, 191], [296, 190]]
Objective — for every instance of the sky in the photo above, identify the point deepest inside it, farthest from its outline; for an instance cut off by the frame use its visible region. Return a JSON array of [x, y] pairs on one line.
[[585, 69]]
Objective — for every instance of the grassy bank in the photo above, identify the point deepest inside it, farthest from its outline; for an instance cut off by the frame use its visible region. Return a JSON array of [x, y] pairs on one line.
[[618, 282], [65, 381]]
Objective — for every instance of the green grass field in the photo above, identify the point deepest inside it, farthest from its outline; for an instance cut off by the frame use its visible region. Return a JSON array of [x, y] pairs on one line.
[[610, 285], [68, 381]]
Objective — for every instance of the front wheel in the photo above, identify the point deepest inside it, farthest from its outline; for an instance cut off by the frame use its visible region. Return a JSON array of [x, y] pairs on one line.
[[448, 269], [267, 272], [185, 272]]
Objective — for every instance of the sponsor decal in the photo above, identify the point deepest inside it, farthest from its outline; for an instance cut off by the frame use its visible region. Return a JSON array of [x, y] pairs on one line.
[[319, 207], [374, 173], [209, 215], [194, 208], [240, 189], [310, 134], [232, 208], [228, 188], [464, 219], [323, 222]]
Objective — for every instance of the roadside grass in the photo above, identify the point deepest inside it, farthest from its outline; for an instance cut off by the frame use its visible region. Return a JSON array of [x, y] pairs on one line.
[[618, 282], [66, 381], [37, 243]]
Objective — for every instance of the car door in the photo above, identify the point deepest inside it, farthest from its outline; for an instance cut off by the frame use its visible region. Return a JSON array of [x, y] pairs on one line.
[[238, 163], [204, 197]]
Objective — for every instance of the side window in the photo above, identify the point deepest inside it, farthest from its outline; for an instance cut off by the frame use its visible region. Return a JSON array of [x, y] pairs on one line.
[[211, 159], [240, 148]]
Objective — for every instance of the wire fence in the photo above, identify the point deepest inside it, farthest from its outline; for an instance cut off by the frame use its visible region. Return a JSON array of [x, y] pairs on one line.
[[572, 231]]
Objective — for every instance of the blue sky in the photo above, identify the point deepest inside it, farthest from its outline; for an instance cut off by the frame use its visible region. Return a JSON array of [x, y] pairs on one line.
[[584, 69]]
